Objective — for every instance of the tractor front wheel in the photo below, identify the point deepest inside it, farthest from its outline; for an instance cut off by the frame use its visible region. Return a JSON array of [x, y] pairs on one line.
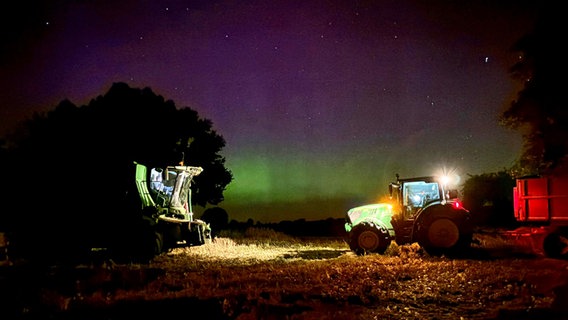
[[368, 238]]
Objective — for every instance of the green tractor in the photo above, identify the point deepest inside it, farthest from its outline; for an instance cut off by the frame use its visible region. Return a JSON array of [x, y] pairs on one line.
[[165, 195], [420, 210]]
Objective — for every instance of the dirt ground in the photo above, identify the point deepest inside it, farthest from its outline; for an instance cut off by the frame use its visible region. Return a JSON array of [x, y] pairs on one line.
[[297, 283]]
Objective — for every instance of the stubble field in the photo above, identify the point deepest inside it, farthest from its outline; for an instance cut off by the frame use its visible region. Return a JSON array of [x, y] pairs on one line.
[[262, 274]]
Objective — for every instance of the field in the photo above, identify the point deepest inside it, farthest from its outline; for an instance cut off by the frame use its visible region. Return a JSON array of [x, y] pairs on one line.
[[262, 274]]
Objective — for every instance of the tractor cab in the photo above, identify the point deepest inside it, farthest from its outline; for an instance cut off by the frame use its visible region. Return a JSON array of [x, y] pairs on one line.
[[171, 190], [415, 194]]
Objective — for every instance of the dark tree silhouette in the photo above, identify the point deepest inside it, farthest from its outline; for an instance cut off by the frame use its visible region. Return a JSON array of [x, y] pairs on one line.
[[489, 197], [217, 218], [540, 110], [68, 168]]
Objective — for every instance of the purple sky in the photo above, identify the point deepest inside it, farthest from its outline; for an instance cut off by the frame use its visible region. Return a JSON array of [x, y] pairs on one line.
[[320, 102]]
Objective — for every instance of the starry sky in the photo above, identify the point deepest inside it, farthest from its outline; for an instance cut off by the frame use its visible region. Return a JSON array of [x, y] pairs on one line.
[[321, 102]]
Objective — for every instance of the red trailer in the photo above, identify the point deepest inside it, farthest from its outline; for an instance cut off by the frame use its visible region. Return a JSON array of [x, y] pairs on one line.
[[541, 207]]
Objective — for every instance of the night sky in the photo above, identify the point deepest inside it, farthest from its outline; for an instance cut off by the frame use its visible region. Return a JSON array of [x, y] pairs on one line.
[[320, 102]]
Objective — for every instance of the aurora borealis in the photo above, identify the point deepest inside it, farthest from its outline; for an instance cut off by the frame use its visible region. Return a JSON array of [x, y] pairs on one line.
[[320, 102]]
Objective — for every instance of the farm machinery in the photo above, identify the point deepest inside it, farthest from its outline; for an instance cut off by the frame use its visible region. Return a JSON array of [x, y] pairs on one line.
[[541, 211], [165, 197], [140, 213], [421, 210]]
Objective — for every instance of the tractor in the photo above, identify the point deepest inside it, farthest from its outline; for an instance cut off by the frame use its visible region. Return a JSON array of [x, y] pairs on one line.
[[421, 209], [165, 198]]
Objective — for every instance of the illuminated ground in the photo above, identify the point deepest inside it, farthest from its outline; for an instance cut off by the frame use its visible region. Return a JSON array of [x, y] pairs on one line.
[[306, 279]]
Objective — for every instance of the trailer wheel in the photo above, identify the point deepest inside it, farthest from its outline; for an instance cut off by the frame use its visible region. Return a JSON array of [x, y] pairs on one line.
[[367, 238], [555, 245]]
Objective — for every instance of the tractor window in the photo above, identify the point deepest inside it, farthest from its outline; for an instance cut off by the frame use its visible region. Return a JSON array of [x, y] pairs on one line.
[[413, 194], [169, 182], [417, 194], [156, 183], [161, 183], [160, 191], [434, 192]]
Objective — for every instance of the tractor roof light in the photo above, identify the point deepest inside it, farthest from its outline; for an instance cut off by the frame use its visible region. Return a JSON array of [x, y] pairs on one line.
[[448, 176], [445, 180]]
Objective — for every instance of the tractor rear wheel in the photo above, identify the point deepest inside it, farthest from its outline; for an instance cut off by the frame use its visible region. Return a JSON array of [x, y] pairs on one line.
[[442, 235], [368, 238]]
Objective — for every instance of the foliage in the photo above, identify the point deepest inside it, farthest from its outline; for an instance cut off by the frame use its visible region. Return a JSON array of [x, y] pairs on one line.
[[69, 169], [489, 197], [540, 108], [217, 218]]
